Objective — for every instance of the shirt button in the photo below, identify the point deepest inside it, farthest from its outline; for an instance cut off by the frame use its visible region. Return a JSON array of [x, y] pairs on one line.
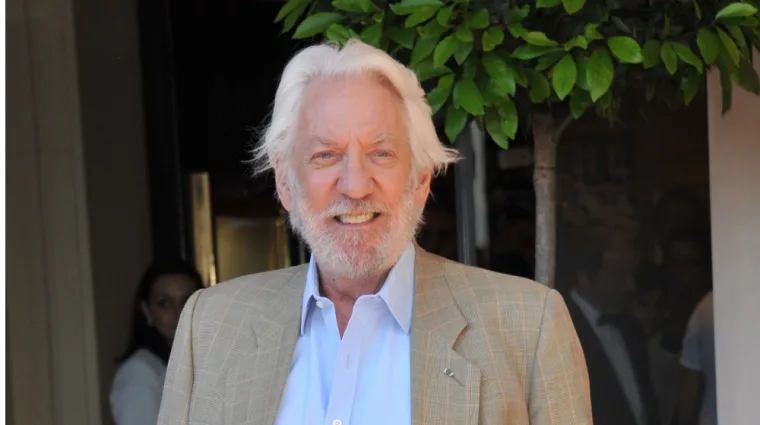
[[337, 422], [320, 304]]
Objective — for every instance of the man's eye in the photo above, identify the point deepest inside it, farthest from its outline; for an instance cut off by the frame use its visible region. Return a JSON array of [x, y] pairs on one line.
[[324, 156], [383, 154]]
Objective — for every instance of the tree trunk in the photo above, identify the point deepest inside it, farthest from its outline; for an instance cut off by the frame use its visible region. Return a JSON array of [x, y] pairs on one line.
[[546, 135]]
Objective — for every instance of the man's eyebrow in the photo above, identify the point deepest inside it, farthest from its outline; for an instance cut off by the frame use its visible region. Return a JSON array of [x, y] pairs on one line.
[[323, 141], [385, 137]]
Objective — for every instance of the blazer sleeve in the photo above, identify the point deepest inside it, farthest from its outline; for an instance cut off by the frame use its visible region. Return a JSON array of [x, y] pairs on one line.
[[559, 386], [180, 372]]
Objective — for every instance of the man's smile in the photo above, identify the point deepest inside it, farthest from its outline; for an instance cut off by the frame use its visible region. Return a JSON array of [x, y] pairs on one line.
[[356, 218]]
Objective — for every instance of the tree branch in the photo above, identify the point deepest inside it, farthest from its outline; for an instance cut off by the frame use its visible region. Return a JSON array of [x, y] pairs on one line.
[[562, 127]]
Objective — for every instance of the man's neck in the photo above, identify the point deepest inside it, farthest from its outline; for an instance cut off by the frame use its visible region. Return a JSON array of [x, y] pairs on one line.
[[342, 290]]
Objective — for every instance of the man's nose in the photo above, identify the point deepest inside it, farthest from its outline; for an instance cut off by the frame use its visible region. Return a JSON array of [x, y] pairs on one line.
[[355, 180]]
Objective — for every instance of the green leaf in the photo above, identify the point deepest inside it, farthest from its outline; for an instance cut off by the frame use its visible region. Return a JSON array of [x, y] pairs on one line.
[[502, 75], [538, 38], [652, 53], [684, 52], [338, 33], [479, 19], [579, 102], [669, 57], [420, 16], [316, 23], [736, 10], [469, 97], [378, 16], [423, 48], [470, 69], [517, 29], [402, 36], [288, 8], [563, 76], [463, 51], [577, 41], [599, 73], [495, 130], [690, 85], [491, 38], [625, 49], [464, 33], [582, 73], [353, 5], [293, 18], [591, 32], [426, 71], [572, 6], [529, 51], [444, 50], [730, 46], [548, 60], [748, 78], [437, 97], [517, 14], [372, 34], [709, 45], [493, 93], [547, 3], [539, 87], [407, 7], [697, 10], [456, 119], [432, 29], [509, 118], [738, 35], [447, 81], [444, 15]]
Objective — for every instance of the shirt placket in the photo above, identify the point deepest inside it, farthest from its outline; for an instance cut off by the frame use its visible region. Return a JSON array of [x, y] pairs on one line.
[[343, 389]]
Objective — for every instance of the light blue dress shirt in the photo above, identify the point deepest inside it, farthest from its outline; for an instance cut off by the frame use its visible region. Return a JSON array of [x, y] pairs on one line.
[[364, 378]]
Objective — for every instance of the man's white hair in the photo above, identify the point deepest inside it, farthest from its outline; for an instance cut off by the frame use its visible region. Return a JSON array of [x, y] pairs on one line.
[[355, 58]]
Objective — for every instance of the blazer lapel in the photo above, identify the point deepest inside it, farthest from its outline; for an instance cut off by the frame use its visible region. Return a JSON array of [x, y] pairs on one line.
[[445, 385], [265, 372]]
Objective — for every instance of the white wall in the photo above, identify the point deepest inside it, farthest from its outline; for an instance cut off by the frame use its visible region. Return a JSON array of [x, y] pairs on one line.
[[735, 210]]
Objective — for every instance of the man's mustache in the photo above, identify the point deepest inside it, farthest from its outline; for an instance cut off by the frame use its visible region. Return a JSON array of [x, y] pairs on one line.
[[350, 206]]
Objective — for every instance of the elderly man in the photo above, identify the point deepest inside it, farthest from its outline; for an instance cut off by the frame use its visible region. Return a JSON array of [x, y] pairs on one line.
[[373, 330]]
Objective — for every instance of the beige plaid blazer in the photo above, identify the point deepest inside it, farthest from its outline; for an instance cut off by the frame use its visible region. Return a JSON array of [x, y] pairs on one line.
[[509, 341]]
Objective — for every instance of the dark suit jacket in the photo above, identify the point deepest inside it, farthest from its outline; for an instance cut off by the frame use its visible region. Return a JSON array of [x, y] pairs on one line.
[[608, 401]]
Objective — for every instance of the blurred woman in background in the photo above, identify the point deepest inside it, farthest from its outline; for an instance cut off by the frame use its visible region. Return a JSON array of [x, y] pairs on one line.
[[136, 392]]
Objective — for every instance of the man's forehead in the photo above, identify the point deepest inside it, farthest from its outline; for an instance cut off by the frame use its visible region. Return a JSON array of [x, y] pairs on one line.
[[328, 138]]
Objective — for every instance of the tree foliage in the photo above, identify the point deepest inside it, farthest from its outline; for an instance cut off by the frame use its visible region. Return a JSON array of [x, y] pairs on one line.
[[502, 61]]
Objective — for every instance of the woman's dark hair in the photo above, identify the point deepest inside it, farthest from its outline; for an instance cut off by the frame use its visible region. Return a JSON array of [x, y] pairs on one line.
[[143, 335]]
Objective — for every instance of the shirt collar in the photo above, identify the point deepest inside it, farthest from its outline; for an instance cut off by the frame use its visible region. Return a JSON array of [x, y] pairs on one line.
[[397, 291], [592, 313]]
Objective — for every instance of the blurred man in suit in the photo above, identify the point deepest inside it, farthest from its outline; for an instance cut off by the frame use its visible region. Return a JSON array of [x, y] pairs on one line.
[[374, 330], [613, 340]]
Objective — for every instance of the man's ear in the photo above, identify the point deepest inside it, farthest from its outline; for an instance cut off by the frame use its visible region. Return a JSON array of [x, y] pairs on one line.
[[422, 190], [283, 188]]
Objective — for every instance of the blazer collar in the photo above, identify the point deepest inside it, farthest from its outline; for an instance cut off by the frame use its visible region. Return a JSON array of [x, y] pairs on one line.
[[445, 385]]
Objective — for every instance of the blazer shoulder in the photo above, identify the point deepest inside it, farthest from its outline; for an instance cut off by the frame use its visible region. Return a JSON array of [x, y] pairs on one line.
[[506, 287], [487, 298], [256, 288]]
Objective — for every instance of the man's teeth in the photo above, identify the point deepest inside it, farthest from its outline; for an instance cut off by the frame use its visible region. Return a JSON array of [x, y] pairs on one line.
[[355, 218]]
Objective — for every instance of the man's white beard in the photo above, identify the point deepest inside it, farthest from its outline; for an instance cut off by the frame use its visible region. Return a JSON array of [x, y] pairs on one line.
[[351, 253]]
